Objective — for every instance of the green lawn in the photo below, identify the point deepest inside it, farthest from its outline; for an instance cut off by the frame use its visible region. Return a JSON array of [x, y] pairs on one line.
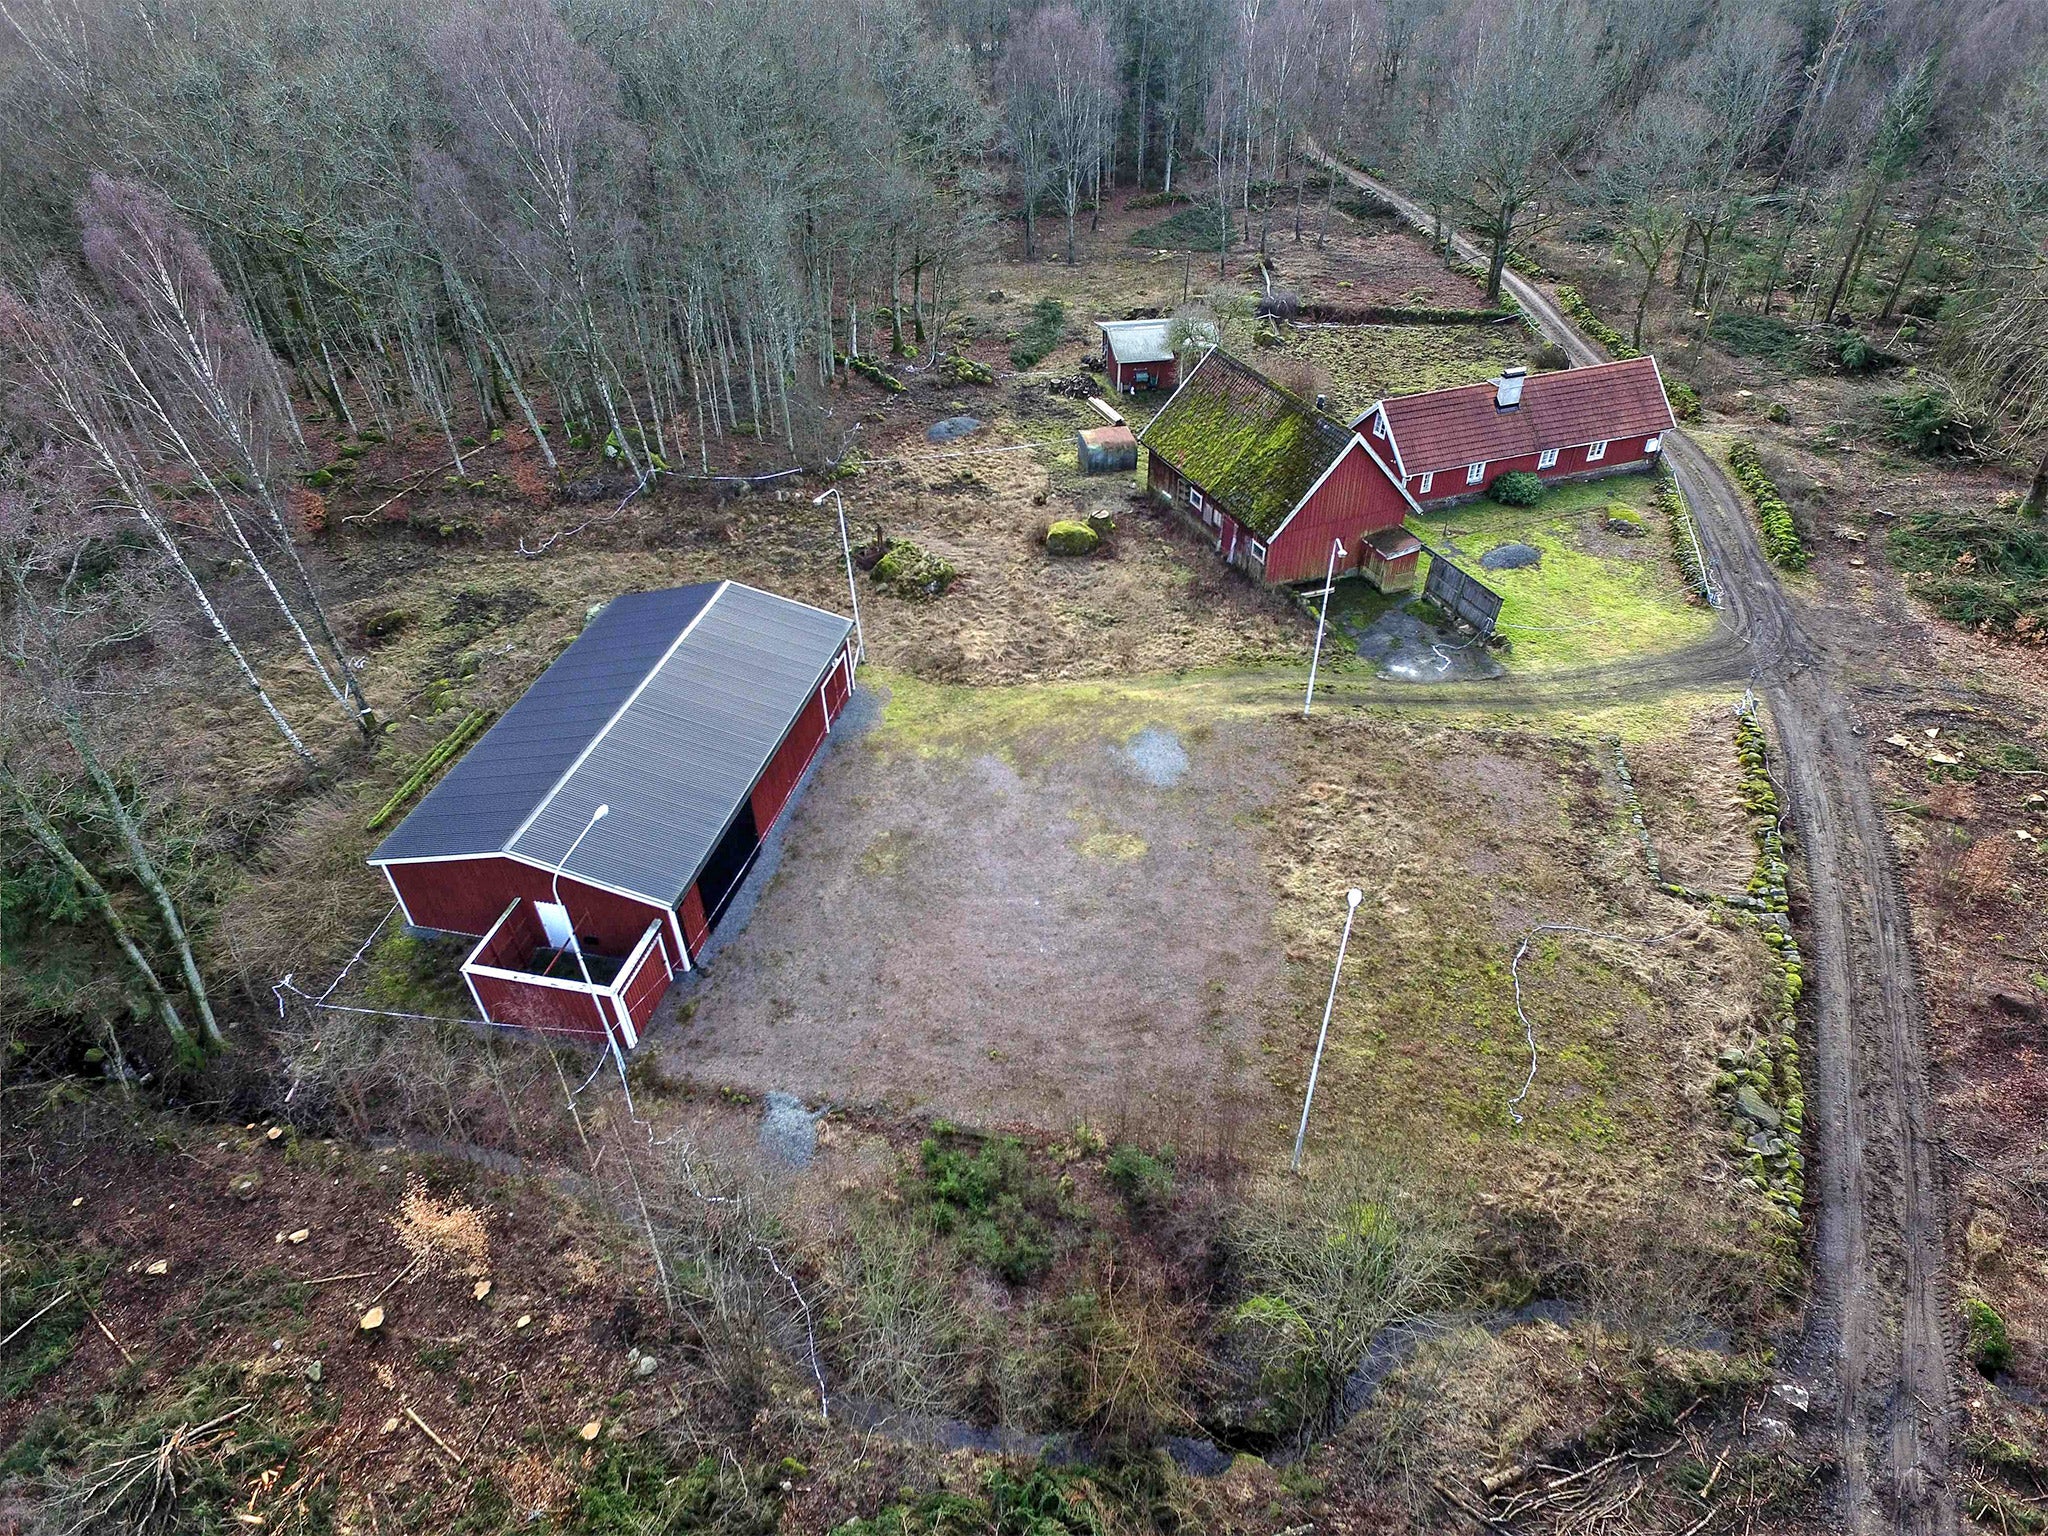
[[1595, 597]]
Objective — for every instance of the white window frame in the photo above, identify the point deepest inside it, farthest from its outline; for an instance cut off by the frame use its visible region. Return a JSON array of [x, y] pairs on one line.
[[1195, 500], [1422, 488], [1474, 473], [1547, 459], [1652, 444], [1379, 425], [1595, 452]]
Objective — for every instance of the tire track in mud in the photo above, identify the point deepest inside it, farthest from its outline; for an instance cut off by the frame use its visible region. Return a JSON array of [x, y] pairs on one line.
[[1878, 1325]]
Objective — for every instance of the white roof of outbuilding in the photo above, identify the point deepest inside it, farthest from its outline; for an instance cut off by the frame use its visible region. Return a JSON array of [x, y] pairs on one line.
[[1138, 341]]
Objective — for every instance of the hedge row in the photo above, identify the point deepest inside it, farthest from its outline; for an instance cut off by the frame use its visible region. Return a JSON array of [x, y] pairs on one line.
[[1781, 537], [1684, 540], [1398, 314], [1575, 305]]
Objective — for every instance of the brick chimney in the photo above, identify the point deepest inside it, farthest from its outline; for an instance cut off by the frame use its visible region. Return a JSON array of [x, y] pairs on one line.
[[1508, 388]]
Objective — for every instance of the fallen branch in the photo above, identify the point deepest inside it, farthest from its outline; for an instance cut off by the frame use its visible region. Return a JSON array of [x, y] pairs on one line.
[[428, 1430], [22, 1328], [103, 1328]]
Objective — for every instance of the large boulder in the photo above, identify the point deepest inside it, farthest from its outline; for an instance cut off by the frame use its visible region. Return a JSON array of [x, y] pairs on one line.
[[1067, 537], [912, 572]]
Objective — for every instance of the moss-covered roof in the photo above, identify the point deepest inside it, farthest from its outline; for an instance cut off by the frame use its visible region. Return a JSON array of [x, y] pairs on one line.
[[1249, 444]]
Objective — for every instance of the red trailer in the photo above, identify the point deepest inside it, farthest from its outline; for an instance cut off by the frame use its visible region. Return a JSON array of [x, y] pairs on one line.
[[594, 837]]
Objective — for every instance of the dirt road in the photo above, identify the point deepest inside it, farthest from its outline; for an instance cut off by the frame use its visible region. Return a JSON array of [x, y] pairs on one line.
[[1878, 1328]]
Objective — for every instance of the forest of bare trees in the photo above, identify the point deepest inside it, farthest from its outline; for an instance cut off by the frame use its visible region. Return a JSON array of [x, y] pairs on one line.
[[641, 232]]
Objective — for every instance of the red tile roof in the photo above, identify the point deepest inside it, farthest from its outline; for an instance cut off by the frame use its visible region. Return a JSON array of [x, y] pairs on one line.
[[1450, 428]]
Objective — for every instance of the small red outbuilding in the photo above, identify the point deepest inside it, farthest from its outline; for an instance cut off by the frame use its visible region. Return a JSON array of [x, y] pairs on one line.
[[593, 838], [1139, 354]]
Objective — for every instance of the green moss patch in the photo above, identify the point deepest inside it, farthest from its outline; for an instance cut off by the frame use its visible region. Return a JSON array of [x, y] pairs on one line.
[[1245, 441], [909, 571], [1070, 538]]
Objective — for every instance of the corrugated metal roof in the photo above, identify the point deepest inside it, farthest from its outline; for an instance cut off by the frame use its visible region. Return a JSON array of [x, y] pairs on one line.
[[1138, 341], [1450, 428], [674, 756], [485, 797]]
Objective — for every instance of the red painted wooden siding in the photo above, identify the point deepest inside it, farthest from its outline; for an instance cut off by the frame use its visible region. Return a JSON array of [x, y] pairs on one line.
[[468, 895], [1622, 454], [1356, 498], [691, 911], [644, 992], [772, 790], [1163, 375], [555, 1009]]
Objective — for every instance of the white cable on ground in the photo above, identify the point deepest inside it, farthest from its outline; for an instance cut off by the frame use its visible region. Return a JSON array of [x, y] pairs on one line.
[[1443, 654], [1515, 973]]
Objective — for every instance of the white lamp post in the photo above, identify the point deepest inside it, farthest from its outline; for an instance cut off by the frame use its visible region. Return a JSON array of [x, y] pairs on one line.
[[604, 1017], [860, 639], [1352, 898], [1329, 581]]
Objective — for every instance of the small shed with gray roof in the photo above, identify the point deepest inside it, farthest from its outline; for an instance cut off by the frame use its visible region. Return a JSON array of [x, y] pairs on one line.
[[593, 838], [1139, 354]]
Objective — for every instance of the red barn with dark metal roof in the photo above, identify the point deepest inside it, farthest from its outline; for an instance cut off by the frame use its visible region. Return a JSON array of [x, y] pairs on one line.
[[591, 840], [1451, 444]]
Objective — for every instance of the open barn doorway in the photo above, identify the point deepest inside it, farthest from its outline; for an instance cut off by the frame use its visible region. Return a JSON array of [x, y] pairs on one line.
[[728, 863]]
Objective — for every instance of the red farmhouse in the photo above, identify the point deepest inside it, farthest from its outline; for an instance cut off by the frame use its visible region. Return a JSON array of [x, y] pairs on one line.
[[1273, 481], [1139, 354], [615, 809], [1450, 444]]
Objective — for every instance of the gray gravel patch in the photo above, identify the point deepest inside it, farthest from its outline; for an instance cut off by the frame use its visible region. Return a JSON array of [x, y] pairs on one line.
[[1511, 557], [1156, 756], [952, 427], [789, 1130]]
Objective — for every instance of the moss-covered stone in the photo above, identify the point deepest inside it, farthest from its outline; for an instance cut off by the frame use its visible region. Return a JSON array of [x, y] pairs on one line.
[[1985, 1340], [1070, 538], [910, 571]]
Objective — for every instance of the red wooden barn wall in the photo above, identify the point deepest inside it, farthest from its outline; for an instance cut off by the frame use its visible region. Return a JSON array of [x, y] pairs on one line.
[[1355, 499], [643, 993], [1164, 375], [468, 895], [546, 1008], [771, 792]]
